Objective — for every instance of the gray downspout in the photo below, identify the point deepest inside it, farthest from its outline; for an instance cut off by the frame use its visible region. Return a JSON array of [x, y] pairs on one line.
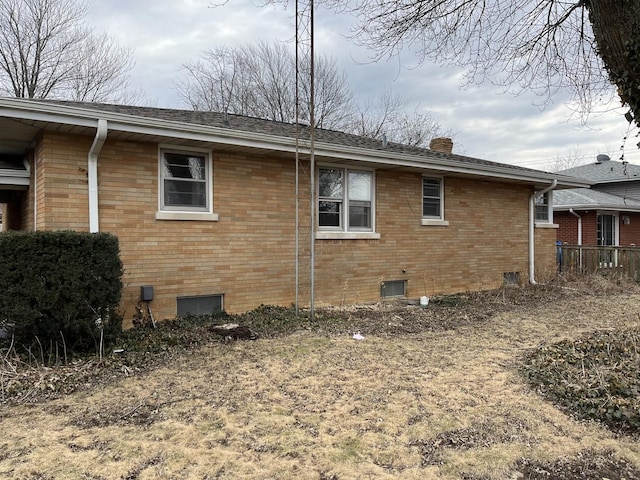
[[92, 173], [532, 226]]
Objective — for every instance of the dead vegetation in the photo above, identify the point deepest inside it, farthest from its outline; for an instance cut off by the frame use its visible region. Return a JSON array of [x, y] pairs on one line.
[[596, 376], [431, 392]]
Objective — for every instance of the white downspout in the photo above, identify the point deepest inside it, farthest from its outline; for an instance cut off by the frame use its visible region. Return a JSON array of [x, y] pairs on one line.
[[92, 173], [532, 226], [579, 225]]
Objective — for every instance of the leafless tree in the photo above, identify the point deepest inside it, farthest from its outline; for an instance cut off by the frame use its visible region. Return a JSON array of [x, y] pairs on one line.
[[101, 63], [388, 116], [272, 70], [258, 80], [212, 83], [575, 157], [579, 46], [46, 51]]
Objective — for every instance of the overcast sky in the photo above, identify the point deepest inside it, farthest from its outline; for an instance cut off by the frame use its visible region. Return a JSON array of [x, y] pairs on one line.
[[487, 123]]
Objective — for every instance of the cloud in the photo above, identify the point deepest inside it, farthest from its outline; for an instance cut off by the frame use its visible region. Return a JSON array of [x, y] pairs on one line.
[[488, 124]]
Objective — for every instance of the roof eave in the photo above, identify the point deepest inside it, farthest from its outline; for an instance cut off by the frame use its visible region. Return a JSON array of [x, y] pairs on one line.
[[619, 208], [72, 115]]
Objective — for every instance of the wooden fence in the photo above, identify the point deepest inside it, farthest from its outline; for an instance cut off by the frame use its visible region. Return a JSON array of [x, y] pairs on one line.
[[603, 259]]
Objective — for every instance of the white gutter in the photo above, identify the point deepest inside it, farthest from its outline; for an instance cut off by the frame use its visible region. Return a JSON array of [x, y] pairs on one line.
[[532, 226], [92, 169], [579, 225], [600, 206], [55, 113]]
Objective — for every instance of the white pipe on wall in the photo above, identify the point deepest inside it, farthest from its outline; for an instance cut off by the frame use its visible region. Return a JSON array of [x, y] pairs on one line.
[[579, 225], [92, 173], [532, 226]]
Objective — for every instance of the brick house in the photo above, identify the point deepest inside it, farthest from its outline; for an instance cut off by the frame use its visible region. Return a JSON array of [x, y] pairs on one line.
[[204, 206], [606, 214]]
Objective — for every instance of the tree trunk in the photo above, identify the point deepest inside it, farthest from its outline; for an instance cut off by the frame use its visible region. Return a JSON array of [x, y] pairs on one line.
[[616, 28]]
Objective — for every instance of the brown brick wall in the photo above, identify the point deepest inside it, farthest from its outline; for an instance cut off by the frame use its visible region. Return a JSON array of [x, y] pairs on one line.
[[568, 227], [630, 233], [567, 233], [249, 253], [589, 227]]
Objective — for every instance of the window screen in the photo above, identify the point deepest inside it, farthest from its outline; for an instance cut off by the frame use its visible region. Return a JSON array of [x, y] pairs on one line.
[[512, 278], [432, 198], [199, 305], [393, 288], [185, 181], [542, 208]]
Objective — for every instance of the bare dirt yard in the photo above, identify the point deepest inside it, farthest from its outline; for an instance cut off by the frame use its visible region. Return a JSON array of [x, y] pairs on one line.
[[429, 393]]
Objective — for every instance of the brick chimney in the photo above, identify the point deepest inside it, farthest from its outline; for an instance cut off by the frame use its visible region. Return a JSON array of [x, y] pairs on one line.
[[441, 144]]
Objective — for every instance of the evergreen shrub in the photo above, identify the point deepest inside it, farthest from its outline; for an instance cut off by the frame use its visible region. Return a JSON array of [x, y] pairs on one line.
[[60, 290]]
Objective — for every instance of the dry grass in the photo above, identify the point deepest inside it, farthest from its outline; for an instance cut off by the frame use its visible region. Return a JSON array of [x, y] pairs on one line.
[[436, 404]]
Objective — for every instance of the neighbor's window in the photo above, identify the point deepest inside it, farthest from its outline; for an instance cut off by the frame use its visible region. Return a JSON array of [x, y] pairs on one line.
[[345, 199], [185, 181], [543, 208], [432, 198]]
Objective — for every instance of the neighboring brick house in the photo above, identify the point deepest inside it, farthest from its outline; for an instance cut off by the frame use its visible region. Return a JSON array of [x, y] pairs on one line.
[[204, 206], [606, 214]]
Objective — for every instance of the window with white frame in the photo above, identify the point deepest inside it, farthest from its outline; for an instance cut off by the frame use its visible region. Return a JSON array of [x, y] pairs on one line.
[[543, 208], [185, 181], [432, 198], [345, 199]]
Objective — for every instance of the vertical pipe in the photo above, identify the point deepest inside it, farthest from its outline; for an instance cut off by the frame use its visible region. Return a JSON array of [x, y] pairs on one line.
[[579, 225], [35, 190], [532, 226], [92, 173], [312, 168], [297, 238], [297, 223]]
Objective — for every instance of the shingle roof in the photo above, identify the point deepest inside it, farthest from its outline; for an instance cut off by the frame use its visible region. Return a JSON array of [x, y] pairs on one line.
[[605, 172], [21, 118], [269, 127], [587, 198]]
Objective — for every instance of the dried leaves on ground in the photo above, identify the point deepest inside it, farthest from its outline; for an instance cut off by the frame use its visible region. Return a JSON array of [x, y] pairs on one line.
[[145, 347], [432, 392], [596, 376]]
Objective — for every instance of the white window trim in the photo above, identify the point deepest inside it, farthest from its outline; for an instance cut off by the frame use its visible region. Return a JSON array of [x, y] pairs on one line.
[[540, 224], [616, 224], [433, 221], [340, 235], [196, 214], [343, 233]]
